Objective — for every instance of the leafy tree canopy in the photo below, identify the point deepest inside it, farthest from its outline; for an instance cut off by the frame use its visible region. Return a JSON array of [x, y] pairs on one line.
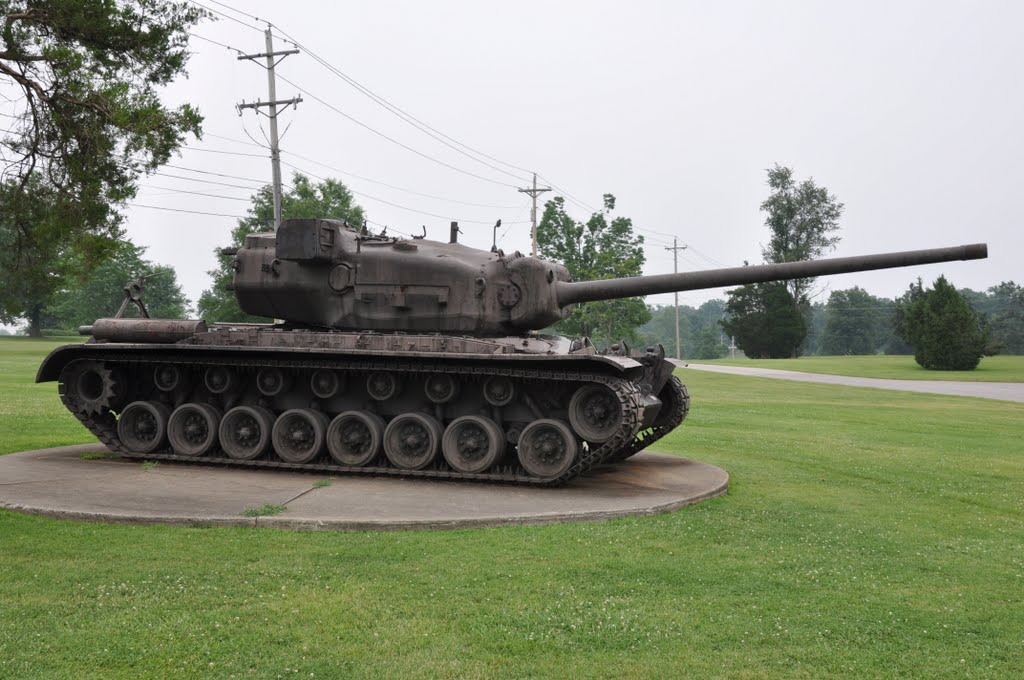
[[87, 122], [944, 331], [765, 321], [102, 292], [855, 323], [803, 220], [329, 199], [603, 247], [692, 324]]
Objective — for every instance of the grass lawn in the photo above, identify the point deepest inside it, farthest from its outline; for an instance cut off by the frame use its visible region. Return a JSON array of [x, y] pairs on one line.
[[866, 534], [899, 367]]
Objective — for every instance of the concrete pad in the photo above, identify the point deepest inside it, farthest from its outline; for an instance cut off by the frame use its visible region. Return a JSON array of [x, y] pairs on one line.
[[61, 483]]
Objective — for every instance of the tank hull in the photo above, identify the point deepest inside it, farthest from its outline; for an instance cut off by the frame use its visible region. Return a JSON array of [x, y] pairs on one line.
[[526, 410]]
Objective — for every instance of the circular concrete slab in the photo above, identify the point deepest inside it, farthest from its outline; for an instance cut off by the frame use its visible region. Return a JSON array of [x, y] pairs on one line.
[[87, 482]]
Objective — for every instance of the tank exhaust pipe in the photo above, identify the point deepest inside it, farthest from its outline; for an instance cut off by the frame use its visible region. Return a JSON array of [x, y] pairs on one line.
[[611, 289]]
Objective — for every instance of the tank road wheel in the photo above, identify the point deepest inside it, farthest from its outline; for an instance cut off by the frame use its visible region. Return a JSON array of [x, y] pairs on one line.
[[441, 388], [411, 440], [192, 429], [595, 413], [547, 448], [271, 381], [382, 386], [245, 432], [325, 383], [499, 390], [472, 443], [91, 385], [168, 377], [219, 379], [142, 426], [299, 435], [355, 437]]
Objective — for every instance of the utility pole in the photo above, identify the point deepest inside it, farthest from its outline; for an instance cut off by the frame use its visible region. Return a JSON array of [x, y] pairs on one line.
[[534, 192], [675, 248], [275, 152]]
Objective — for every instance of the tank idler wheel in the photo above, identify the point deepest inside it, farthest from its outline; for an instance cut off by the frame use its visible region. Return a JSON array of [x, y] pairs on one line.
[[355, 437], [595, 413], [441, 388], [142, 426], [381, 386], [499, 390], [472, 443], [411, 440], [219, 379], [168, 378], [299, 435], [271, 381], [547, 448], [245, 432], [325, 383], [192, 429]]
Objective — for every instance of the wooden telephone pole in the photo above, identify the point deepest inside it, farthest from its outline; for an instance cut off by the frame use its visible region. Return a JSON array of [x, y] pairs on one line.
[[675, 248], [273, 59]]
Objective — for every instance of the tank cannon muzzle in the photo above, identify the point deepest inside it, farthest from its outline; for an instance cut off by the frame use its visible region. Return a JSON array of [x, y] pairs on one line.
[[612, 289]]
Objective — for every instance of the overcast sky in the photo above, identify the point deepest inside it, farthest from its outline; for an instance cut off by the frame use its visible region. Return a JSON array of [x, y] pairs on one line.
[[910, 113]]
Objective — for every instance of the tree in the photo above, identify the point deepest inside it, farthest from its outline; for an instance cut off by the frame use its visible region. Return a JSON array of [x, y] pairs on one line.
[[329, 199], [90, 123], [803, 219], [102, 292], [765, 321], [601, 248], [944, 331], [856, 323], [708, 345], [1007, 317]]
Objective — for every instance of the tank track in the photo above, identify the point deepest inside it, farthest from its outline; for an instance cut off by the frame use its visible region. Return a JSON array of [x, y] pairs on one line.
[[103, 422], [675, 410]]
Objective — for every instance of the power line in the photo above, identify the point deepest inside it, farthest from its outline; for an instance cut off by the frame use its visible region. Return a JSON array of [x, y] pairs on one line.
[[398, 188], [394, 109], [391, 203], [392, 139], [205, 181], [216, 174], [407, 117], [219, 44], [226, 16], [182, 210], [228, 153], [196, 193]]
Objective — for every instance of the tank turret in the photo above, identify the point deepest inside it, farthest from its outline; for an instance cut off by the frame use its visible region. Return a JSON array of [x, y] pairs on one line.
[[323, 273]]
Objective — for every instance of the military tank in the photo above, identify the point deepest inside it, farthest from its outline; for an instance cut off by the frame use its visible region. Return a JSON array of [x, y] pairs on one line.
[[405, 357]]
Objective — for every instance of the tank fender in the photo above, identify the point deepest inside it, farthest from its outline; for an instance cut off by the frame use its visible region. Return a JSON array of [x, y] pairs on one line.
[[56, 360]]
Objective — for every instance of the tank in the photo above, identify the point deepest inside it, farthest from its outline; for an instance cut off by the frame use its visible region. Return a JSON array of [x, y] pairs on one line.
[[412, 358]]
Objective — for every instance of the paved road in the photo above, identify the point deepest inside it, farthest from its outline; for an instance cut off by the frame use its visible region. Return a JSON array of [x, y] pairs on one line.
[[985, 390]]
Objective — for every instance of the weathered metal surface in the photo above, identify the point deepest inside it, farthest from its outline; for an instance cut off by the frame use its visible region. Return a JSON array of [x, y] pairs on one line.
[[409, 358], [144, 330]]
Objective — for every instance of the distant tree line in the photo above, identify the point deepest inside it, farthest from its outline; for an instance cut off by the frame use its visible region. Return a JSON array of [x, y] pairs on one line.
[[852, 321]]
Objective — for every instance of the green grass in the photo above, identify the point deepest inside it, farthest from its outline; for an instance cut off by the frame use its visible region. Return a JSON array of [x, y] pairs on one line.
[[31, 416], [866, 534], [899, 367], [265, 510]]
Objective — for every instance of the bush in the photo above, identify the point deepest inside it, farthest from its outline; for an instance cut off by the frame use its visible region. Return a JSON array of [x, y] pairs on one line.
[[946, 334]]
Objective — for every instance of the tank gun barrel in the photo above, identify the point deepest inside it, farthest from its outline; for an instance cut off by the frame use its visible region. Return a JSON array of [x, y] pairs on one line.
[[610, 289]]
